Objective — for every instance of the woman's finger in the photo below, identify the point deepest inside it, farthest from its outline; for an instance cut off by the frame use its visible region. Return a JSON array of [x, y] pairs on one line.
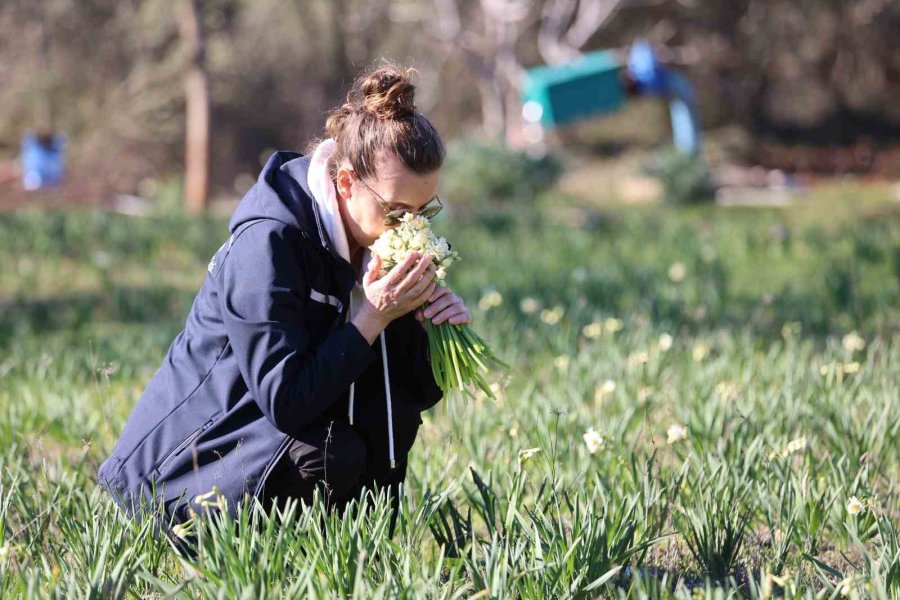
[[421, 298], [460, 319], [441, 290], [423, 269], [421, 284], [449, 314], [438, 305], [398, 272]]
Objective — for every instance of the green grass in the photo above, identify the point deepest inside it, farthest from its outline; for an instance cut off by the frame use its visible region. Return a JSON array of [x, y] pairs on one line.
[[749, 329]]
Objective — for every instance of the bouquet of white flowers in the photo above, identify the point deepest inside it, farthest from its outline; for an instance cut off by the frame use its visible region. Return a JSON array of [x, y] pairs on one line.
[[459, 357]]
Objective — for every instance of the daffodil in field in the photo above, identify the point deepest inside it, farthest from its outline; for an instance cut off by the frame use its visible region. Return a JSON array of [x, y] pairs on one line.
[[675, 433], [700, 351], [459, 357], [855, 506], [638, 358], [612, 324], [592, 330], [796, 445], [525, 455], [677, 272], [665, 342], [604, 389], [552, 316], [561, 362], [853, 342], [594, 441], [212, 498], [529, 305], [183, 530], [490, 300]]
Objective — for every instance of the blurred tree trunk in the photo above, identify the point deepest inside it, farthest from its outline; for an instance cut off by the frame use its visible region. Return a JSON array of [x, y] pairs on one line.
[[197, 107], [341, 69], [44, 113]]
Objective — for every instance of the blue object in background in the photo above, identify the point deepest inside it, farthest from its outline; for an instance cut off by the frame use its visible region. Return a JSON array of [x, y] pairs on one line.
[[683, 112], [553, 95], [43, 160], [653, 78], [648, 74]]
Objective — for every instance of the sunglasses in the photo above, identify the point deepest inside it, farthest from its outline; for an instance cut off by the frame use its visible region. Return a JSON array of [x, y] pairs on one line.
[[393, 217]]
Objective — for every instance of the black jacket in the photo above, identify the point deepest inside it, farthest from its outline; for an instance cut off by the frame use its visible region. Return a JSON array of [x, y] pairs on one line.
[[265, 350]]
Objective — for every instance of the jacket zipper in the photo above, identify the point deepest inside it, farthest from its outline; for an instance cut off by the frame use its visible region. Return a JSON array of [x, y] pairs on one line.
[[181, 447]]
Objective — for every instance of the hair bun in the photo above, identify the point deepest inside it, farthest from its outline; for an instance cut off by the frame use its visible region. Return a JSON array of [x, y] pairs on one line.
[[388, 92]]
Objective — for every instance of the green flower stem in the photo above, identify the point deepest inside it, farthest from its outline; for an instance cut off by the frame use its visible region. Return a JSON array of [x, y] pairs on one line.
[[460, 358]]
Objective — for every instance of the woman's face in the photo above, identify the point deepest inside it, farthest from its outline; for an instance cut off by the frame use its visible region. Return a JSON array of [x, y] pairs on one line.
[[400, 188]]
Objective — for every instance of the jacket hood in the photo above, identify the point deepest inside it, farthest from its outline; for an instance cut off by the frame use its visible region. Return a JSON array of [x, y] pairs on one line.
[[282, 194]]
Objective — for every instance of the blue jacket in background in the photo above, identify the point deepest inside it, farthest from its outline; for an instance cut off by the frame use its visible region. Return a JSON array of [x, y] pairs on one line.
[[265, 351]]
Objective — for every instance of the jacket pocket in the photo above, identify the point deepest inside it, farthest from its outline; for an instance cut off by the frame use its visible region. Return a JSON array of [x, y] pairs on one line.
[[168, 458]]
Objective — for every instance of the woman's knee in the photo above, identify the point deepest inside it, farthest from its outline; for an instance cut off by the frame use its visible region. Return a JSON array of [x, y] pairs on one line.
[[344, 458]]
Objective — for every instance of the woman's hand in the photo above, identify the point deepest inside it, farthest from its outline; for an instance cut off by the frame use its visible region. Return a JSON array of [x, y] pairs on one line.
[[443, 306], [407, 287]]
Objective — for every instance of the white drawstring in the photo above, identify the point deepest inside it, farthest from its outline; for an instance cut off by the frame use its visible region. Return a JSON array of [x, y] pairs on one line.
[[387, 392], [352, 393], [353, 384]]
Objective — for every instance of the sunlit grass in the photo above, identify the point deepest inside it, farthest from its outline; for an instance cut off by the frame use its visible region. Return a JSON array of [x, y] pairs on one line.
[[737, 404]]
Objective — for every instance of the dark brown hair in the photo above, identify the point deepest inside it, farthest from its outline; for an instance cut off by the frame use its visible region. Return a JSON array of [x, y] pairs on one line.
[[380, 116]]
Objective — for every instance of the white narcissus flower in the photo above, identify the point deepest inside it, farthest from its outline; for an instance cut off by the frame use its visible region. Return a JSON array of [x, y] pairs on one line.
[[851, 367], [677, 272], [490, 300], [665, 342], [854, 506], [798, 445], [638, 358], [727, 390], [212, 498], [413, 234], [603, 390], [612, 324], [853, 342], [561, 362], [552, 317], [183, 530], [594, 440], [700, 351], [526, 454], [675, 433], [529, 306], [592, 330]]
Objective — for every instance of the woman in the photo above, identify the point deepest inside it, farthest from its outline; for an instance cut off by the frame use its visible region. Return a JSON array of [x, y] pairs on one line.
[[298, 368]]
